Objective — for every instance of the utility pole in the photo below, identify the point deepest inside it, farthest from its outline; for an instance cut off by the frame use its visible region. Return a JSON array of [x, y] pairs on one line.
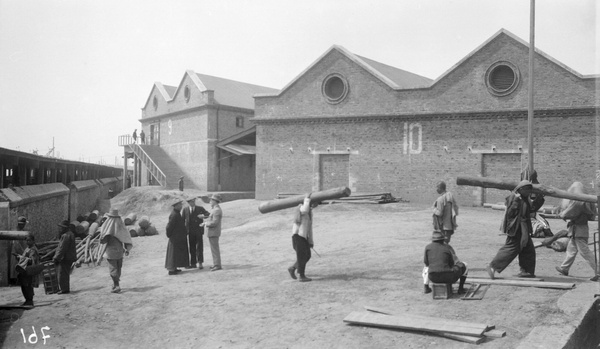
[[530, 107]]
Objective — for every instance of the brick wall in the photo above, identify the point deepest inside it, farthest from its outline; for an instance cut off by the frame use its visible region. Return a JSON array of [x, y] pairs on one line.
[[396, 138], [383, 160]]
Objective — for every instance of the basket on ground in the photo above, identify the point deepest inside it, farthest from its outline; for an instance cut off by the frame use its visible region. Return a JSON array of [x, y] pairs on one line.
[[50, 278]]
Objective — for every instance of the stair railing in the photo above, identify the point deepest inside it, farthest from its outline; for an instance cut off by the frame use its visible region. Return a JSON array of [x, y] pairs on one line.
[[156, 172]]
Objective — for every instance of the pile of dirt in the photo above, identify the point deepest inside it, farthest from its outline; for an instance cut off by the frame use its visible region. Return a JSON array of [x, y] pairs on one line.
[[148, 200]]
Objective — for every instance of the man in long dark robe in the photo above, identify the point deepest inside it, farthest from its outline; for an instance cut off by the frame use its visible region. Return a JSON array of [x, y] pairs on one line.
[[177, 248], [517, 227]]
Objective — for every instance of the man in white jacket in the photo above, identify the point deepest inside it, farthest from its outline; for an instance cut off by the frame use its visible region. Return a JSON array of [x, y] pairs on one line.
[[302, 238]]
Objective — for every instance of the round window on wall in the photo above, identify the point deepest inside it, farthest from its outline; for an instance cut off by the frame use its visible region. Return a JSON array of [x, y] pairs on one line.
[[186, 94], [335, 88], [502, 78], [155, 103]]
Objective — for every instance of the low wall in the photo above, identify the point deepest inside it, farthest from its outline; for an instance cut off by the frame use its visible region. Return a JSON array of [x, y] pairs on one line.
[[109, 184], [83, 197], [45, 206]]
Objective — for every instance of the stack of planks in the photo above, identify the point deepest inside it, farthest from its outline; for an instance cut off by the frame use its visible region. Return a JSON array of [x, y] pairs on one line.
[[359, 198], [468, 332]]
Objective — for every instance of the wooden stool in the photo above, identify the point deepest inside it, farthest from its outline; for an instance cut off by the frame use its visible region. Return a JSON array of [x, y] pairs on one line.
[[441, 291]]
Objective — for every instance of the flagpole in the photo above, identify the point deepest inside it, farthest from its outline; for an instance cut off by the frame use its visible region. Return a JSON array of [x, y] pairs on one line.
[[530, 107]]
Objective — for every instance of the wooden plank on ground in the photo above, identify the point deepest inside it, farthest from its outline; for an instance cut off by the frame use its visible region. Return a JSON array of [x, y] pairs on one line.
[[476, 325], [409, 323], [476, 292], [462, 338], [494, 333], [523, 283], [458, 337], [485, 276], [21, 306]]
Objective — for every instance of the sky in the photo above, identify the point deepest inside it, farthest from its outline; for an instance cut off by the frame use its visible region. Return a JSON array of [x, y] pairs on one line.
[[76, 73]]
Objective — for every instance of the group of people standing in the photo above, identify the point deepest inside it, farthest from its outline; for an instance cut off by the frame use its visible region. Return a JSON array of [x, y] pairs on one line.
[[443, 266], [185, 231], [134, 135]]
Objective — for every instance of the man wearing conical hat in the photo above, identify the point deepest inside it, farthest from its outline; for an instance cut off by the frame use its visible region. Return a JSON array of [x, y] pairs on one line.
[[118, 242], [517, 227]]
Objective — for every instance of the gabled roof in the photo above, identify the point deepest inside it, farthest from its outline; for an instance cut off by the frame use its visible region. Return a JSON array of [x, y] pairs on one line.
[[226, 92], [395, 78], [170, 90], [504, 32], [233, 93], [402, 78]]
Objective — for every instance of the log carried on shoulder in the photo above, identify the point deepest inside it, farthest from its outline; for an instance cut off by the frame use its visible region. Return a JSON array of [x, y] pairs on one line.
[[13, 235], [546, 190], [280, 204]]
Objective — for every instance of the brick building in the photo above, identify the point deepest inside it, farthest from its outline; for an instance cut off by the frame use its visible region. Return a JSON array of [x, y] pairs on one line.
[[350, 121], [200, 130]]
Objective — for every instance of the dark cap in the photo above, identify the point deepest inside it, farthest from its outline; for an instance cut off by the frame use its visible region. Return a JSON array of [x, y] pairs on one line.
[[437, 236], [22, 220], [64, 224]]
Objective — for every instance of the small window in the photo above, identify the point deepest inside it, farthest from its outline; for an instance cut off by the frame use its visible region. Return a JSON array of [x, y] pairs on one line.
[[155, 103], [187, 94], [502, 78], [334, 88], [239, 121]]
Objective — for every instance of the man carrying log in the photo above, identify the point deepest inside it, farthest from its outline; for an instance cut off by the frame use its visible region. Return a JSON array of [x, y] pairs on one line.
[[118, 243], [517, 227], [66, 255], [445, 210], [302, 237], [442, 265], [578, 213]]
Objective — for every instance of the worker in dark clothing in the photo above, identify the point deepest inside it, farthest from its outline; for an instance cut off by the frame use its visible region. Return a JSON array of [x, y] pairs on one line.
[[181, 183], [517, 227], [66, 255], [442, 264]]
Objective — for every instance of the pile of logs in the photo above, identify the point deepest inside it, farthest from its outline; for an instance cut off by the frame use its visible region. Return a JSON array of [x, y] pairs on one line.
[[143, 227], [89, 249], [360, 198]]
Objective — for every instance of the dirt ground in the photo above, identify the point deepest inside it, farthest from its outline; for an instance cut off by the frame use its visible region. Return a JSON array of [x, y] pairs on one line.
[[369, 255]]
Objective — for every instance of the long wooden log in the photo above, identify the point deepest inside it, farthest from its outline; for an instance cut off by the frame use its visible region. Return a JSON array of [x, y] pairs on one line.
[[13, 235], [486, 182], [523, 283], [280, 204]]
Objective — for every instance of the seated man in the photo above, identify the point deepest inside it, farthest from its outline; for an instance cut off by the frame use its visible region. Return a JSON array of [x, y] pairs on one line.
[[441, 264]]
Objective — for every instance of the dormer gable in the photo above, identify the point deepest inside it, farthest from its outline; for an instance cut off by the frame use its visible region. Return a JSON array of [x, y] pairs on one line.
[[393, 77]]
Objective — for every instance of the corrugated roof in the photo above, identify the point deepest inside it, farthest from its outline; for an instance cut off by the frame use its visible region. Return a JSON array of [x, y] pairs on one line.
[[233, 93], [400, 77]]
